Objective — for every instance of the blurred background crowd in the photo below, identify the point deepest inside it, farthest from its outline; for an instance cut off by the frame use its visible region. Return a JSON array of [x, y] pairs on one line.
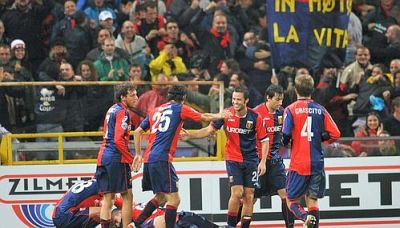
[[189, 40]]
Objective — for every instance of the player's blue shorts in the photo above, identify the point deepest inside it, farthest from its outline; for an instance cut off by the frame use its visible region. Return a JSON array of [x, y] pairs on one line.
[[159, 177], [68, 219], [273, 179], [148, 224], [242, 173], [299, 185], [114, 177]]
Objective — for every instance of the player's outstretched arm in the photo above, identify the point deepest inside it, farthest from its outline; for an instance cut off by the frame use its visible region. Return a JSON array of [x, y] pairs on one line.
[[137, 161], [216, 116], [202, 133]]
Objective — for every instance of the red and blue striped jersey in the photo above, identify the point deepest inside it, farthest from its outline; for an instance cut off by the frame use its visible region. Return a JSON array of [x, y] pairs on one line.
[[305, 121], [116, 129], [80, 195], [242, 134], [165, 122], [273, 126]]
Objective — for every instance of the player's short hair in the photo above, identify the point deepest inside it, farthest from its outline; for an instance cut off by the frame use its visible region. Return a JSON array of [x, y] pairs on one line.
[[272, 90], [122, 90], [304, 85], [396, 102], [177, 93], [243, 90]]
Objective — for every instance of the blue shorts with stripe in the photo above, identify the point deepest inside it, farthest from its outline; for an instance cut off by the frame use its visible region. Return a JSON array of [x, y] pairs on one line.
[[114, 177], [273, 179], [159, 177], [310, 185], [242, 173], [79, 218]]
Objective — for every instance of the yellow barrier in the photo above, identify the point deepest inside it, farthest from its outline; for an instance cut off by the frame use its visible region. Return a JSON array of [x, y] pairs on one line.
[[6, 149]]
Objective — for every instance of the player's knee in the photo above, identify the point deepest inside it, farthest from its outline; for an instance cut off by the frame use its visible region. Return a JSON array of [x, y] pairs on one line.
[[237, 193]]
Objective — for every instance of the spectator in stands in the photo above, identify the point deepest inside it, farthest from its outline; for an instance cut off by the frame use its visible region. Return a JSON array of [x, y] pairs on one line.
[[102, 35], [7, 91], [152, 26], [393, 92], [228, 67], [392, 123], [110, 66], [49, 69], [373, 128], [78, 38], [184, 11], [95, 102], [137, 10], [67, 23], [93, 12], [133, 44], [3, 38], [355, 38], [392, 50], [23, 21], [135, 75], [217, 43], [106, 21], [154, 97], [168, 63], [240, 79]]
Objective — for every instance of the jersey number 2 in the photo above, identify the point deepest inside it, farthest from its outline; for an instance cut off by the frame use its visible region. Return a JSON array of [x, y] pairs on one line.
[[306, 129], [161, 121]]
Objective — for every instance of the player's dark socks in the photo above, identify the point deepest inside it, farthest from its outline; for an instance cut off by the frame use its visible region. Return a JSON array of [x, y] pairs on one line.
[[239, 217], [246, 220], [231, 218], [314, 211], [170, 216], [298, 211], [147, 211], [287, 215], [105, 223]]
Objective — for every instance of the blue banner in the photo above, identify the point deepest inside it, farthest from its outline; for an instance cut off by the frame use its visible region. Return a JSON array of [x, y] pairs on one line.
[[302, 31]]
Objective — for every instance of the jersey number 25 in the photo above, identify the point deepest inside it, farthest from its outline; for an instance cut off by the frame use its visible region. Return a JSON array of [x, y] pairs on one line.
[[161, 121]]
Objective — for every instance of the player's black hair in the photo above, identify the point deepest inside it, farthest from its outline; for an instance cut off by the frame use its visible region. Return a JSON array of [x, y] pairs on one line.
[[243, 90], [177, 93], [272, 90], [123, 89]]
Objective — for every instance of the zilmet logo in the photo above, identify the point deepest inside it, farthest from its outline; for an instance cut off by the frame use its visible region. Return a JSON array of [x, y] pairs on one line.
[[36, 188]]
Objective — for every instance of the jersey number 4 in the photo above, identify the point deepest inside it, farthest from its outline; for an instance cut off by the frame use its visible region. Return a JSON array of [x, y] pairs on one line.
[[161, 121], [306, 129]]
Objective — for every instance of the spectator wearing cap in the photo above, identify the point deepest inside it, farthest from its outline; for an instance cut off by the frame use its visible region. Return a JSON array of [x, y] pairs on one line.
[[49, 69], [101, 36], [106, 21], [168, 63], [93, 12], [23, 20]]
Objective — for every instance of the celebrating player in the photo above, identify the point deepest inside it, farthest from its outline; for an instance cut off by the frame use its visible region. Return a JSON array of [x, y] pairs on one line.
[[164, 123], [243, 128], [306, 125]]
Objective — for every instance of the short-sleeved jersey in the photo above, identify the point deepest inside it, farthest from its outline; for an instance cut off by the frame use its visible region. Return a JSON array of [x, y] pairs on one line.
[[165, 123], [273, 126], [242, 134], [117, 126], [305, 121], [81, 195]]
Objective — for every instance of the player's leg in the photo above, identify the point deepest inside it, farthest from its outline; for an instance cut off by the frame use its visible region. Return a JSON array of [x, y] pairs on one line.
[[296, 188], [247, 211], [234, 171], [316, 190], [105, 211], [287, 215], [127, 198], [173, 201]]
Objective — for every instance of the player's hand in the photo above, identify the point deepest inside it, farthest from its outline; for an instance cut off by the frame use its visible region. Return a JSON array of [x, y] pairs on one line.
[[262, 168], [184, 135], [137, 163], [226, 114]]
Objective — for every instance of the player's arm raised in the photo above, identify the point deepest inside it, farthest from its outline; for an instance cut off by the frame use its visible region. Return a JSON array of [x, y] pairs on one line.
[[202, 133], [215, 116]]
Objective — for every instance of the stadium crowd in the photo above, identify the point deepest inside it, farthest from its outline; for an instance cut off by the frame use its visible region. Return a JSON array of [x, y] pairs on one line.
[[188, 40]]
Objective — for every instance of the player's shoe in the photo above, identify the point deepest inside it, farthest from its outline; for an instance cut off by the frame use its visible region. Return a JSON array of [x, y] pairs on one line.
[[310, 222]]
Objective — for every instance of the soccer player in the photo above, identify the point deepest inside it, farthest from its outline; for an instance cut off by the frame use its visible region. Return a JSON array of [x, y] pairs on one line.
[[113, 171], [274, 180], [306, 124], [164, 123], [78, 207], [242, 129]]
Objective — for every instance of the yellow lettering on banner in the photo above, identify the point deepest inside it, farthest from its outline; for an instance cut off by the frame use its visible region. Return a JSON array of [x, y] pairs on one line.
[[292, 35], [325, 36], [311, 4], [277, 38], [328, 6], [349, 6], [319, 36], [282, 5]]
